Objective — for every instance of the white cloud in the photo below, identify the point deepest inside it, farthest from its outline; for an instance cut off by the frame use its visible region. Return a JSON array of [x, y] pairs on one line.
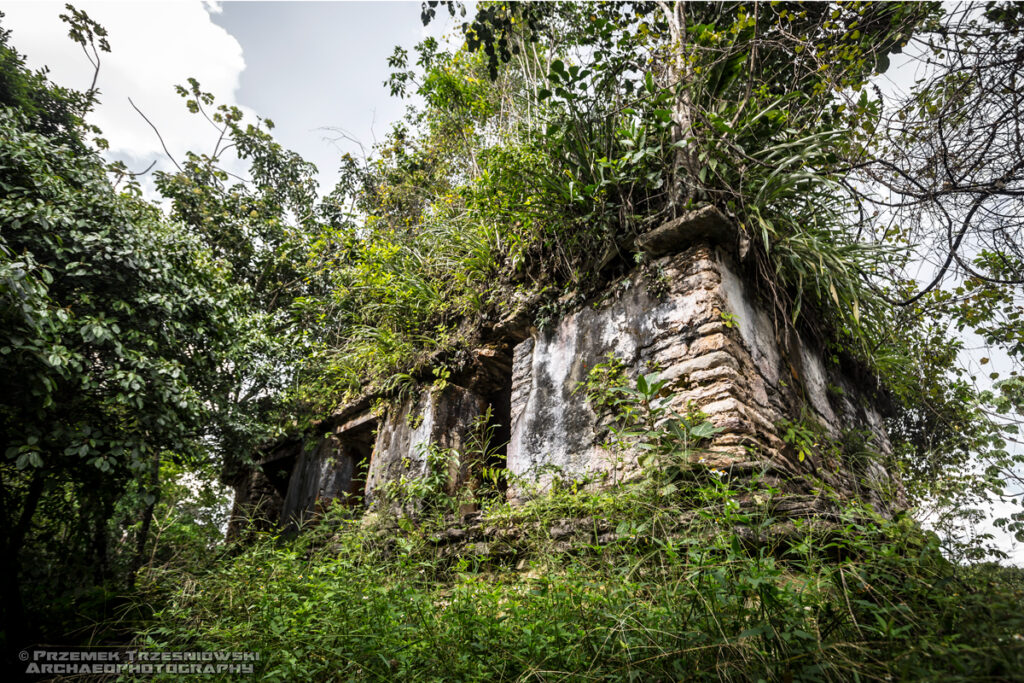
[[154, 46]]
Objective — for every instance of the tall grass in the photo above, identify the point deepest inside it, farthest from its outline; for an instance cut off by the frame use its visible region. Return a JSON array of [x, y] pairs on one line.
[[351, 600]]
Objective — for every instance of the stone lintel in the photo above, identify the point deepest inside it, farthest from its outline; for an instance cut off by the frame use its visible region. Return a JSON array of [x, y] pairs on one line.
[[707, 223], [361, 420]]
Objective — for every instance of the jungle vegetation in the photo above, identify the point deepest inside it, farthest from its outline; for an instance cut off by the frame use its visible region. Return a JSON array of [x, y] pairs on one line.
[[147, 351]]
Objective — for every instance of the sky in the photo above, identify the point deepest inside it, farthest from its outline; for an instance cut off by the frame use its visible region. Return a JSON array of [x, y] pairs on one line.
[[317, 69]]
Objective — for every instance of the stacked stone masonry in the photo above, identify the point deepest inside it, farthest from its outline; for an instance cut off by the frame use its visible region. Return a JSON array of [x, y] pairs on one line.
[[717, 351], [688, 315]]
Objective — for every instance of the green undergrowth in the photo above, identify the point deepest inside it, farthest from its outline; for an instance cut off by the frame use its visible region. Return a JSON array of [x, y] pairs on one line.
[[682, 572], [376, 598]]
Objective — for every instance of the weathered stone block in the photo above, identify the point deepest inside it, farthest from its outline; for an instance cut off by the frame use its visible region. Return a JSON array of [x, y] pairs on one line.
[[433, 419]]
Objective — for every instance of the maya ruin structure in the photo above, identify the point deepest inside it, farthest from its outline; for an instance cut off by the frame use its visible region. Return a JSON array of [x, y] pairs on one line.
[[701, 326]]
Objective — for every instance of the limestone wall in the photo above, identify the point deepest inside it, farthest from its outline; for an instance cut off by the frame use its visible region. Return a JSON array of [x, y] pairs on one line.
[[689, 315], [719, 352]]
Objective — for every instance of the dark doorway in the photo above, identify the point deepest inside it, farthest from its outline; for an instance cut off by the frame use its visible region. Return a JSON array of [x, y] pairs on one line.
[[355, 450], [495, 437], [278, 466]]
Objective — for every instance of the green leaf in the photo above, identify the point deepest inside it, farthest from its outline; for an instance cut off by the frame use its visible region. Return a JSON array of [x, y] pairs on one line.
[[704, 430]]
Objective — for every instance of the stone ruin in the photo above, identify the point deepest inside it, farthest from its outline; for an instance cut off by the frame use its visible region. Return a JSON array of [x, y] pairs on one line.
[[692, 314]]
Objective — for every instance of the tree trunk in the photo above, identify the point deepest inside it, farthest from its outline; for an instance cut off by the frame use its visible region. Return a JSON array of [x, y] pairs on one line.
[[152, 488], [684, 161], [15, 627]]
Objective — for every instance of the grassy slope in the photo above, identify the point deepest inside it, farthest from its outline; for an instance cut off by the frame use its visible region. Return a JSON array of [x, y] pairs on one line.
[[379, 599]]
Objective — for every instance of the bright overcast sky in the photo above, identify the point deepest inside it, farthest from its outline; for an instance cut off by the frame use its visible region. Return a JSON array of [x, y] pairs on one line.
[[311, 67]]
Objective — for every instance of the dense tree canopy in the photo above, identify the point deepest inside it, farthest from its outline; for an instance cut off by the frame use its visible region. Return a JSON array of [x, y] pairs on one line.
[[126, 334]]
